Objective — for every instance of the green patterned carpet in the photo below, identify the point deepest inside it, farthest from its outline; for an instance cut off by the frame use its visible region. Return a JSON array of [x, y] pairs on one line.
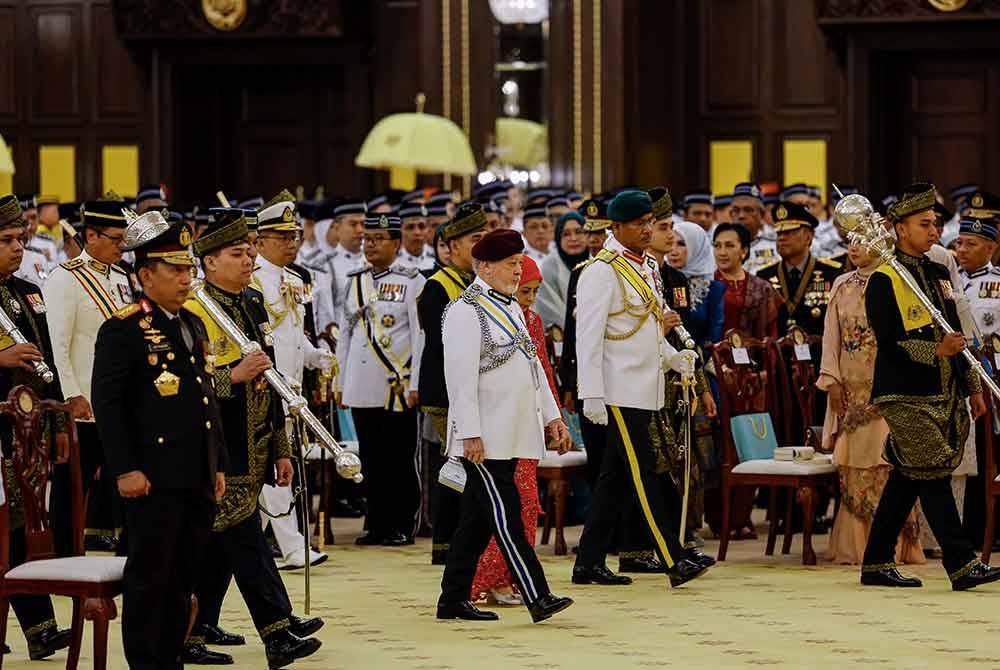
[[750, 611]]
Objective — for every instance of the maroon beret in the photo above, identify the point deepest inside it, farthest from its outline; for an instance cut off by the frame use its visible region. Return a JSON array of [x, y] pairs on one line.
[[498, 245]]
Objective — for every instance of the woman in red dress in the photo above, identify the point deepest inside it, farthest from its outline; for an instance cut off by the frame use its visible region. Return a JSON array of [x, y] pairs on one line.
[[493, 582]]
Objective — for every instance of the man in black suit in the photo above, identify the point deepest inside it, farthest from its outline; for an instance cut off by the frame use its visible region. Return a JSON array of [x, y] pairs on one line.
[[22, 301], [160, 426]]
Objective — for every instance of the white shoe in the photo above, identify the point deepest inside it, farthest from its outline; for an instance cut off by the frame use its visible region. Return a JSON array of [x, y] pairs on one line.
[[296, 559], [504, 598]]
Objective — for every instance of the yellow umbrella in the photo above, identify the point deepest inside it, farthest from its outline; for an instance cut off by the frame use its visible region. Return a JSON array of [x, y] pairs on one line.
[[521, 142], [417, 142], [6, 162]]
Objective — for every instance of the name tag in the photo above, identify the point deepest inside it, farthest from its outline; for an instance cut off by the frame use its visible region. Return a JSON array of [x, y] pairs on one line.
[[802, 352], [741, 356]]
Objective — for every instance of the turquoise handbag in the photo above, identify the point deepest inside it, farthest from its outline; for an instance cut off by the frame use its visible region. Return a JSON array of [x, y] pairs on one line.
[[572, 421], [753, 435]]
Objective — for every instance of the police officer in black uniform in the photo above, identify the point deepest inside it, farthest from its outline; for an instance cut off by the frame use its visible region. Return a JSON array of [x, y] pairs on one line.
[[160, 427], [22, 301], [803, 280], [254, 424]]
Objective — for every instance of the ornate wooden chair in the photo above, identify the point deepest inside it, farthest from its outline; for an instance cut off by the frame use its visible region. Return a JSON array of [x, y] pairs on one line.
[[558, 471], [801, 374], [745, 388], [987, 444], [91, 581]]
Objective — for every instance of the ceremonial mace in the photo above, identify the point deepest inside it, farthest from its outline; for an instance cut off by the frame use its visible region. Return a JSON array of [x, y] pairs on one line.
[[865, 226], [9, 328], [687, 385]]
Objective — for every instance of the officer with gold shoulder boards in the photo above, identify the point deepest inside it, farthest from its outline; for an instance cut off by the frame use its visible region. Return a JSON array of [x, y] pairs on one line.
[[81, 295], [159, 424], [977, 242], [380, 354], [460, 234], [22, 301], [254, 425], [621, 356], [803, 280], [285, 301]]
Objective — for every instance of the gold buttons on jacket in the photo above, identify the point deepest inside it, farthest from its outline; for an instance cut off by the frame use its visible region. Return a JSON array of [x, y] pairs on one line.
[[198, 379], [208, 424], [159, 440], [204, 400]]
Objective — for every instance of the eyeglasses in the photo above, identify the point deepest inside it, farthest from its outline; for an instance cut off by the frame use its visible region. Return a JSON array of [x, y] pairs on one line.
[[117, 239], [290, 238], [375, 239]]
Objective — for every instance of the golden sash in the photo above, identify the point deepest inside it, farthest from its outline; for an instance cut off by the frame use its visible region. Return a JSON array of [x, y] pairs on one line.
[[911, 310]]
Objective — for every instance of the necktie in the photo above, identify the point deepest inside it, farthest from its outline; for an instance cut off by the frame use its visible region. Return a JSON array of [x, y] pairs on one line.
[[794, 277]]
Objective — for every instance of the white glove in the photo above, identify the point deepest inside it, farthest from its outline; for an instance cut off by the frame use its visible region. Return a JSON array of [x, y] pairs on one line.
[[683, 362], [595, 411], [326, 360]]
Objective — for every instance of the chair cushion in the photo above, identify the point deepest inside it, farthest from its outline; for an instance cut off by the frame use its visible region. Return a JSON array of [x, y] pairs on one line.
[[91, 569], [554, 459], [314, 452], [770, 466]]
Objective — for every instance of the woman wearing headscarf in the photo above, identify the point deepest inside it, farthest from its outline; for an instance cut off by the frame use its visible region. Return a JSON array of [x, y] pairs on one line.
[[692, 255], [571, 245]]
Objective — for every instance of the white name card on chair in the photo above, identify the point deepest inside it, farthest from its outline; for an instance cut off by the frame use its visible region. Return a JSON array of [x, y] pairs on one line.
[[802, 352], [741, 356]]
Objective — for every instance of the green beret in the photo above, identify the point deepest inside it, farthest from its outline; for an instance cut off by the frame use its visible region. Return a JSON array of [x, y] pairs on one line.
[[629, 206]]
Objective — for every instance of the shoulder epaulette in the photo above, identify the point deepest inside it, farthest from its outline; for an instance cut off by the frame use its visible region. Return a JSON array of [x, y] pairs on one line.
[[360, 270], [580, 266], [829, 262], [405, 271], [119, 269], [606, 255], [73, 263], [768, 265], [127, 311]]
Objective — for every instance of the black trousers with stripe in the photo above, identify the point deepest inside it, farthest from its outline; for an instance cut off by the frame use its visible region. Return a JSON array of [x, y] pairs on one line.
[[491, 506], [388, 444], [628, 476]]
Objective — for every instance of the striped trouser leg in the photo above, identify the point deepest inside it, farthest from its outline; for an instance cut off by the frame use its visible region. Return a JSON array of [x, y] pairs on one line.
[[628, 438]]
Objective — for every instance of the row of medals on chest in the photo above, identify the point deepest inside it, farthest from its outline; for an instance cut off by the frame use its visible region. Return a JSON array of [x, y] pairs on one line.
[[817, 295]]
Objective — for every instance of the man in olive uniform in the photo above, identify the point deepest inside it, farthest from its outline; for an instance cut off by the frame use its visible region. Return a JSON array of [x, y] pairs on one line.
[[447, 284], [159, 424], [22, 301], [921, 383], [254, 424], [803, 280]]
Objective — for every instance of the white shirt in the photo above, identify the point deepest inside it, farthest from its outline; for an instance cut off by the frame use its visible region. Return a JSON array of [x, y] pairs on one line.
[[80, 295], [324, 288], [284, 299], [389, 301], [34, 267], [763, 251], [421, 262], [344, 263], [626, 372], [508, 406]]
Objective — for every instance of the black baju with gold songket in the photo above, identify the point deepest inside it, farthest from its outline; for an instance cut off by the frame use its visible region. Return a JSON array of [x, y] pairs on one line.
[[922, 398], [254, 424]]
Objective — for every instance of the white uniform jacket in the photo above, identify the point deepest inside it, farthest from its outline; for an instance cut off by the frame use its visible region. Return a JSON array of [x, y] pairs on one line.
[[421, 262], [507, 405], [284, 299], [381, 342], [626, 370], [344, 263], [982, 290], [80, 295]]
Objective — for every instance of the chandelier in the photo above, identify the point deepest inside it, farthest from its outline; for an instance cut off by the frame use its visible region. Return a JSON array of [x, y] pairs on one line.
[[520, 11]]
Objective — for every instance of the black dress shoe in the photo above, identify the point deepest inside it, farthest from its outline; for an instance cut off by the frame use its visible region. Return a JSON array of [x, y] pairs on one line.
[[979, 574], [699, 557], [199, 654], [100, 543], [547, 605], [368, 540], [641, 565], [464, 610], [889, 577], [219, 636], [5, 649], [284, 648], [304, 627], [599, 575], [396, 539], [48, 642], [684, 571]]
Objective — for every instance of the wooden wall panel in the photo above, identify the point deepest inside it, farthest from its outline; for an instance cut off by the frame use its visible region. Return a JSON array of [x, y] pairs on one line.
[[804, 67], [118, 79], [56, 58], [730, 55], [8, 63], [948, 160]]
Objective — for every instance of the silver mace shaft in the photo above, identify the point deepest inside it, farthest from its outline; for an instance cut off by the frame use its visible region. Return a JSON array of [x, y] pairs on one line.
[[304, 502], [687, 383]]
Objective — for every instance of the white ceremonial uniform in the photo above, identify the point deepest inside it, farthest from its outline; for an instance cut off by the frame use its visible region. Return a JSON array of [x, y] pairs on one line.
[[982, 290], [763, 251], [939, 254], [421, 262], [34, 267], [494, 395], [344, 262], [324, 288], [48, 247], [381, 311], [284, 299], [624, 372], [80, 295]]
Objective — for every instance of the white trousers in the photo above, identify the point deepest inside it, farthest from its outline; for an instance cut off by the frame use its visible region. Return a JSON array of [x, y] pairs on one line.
[[276, 500]]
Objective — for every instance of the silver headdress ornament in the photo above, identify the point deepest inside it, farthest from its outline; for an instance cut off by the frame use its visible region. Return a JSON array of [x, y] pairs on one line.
[[142, 229]]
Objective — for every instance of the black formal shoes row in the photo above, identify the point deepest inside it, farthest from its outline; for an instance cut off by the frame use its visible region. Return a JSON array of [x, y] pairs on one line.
[[282, 648], [694, 565], [979, 574], [542, 609]]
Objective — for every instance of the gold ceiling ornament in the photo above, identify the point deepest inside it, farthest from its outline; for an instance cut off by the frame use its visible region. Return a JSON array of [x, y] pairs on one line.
[[225, 15], [948, 5]]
